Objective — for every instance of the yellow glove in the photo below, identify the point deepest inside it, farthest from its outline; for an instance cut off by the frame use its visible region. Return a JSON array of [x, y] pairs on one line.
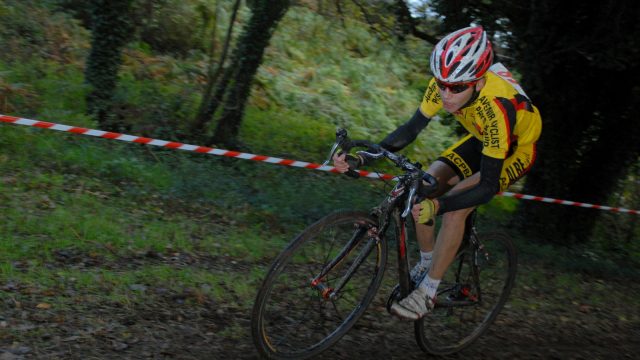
[[427, 212]]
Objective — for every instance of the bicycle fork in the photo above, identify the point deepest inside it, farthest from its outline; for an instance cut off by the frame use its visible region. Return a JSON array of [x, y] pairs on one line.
[[405, 286], [403, 260], [368, 231]]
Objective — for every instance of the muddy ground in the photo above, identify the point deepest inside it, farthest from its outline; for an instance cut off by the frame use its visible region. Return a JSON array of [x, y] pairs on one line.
[[541, 323]]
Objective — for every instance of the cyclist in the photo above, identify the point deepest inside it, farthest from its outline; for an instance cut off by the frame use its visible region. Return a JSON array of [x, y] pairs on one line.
[[500, 148]]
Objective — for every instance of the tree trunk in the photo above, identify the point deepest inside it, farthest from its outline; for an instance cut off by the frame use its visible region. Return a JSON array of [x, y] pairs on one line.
[[111, 29], [209, 103], [247, 58]]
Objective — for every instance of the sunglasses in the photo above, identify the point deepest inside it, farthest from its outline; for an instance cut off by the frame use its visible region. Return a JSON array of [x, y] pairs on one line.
[[456, 88]]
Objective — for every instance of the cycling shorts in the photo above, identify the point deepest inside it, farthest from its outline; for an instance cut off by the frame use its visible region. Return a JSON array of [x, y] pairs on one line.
[[465, 157]]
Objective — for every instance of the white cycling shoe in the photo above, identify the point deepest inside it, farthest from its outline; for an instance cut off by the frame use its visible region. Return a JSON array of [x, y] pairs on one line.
[[414, 306]]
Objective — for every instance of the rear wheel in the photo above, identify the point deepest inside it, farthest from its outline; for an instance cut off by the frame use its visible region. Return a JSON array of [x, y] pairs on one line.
[[471, 294], [295, 319]]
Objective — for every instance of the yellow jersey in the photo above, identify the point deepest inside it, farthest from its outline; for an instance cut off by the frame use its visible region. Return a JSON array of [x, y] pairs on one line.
[[500, 117]]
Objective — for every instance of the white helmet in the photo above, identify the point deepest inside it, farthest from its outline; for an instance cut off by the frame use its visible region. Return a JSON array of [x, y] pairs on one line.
[[462, 56]]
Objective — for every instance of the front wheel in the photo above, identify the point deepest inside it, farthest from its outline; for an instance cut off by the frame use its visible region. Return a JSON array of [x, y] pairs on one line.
[[471, 294], [295, 317]]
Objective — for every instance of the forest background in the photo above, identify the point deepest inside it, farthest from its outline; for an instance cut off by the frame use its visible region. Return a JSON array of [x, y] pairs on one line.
[[87, 222]]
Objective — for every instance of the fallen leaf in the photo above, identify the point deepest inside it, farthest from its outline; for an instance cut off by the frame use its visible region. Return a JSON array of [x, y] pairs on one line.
[[43, 306]]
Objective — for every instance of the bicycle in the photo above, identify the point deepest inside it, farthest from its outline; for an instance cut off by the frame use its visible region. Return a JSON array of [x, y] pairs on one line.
[[323, 281]]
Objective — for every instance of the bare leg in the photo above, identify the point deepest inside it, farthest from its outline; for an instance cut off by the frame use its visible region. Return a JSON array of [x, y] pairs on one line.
[[451, 233], [447, 178], [420, 301]]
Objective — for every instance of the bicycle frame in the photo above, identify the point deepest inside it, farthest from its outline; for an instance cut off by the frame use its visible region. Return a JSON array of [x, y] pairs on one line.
[[331, 304], [390, 208], [403, 260], [331, 293]]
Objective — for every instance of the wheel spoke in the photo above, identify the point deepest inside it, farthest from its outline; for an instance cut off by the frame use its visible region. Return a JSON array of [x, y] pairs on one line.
[[471, 296], [293, 318]]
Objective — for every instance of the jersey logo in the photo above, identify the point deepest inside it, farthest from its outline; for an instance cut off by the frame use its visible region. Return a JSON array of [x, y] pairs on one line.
[[459, 162], [431, 95]]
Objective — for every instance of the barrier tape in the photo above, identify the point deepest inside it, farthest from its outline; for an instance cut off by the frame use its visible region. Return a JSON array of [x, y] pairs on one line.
[[180, 146], [262, 158], [569, 203]]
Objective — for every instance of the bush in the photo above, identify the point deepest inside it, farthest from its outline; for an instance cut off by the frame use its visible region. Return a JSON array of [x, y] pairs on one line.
[[41, 34]]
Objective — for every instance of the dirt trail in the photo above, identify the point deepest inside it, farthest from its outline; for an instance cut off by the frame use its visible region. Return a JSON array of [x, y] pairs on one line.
[[549, 325]]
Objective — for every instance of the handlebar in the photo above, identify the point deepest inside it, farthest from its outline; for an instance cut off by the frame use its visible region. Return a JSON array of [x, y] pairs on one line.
[[420, 182], [344, 143], [375, 152]]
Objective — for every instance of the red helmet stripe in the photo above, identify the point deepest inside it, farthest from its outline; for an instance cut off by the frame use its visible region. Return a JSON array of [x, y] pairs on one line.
[[468, 52]]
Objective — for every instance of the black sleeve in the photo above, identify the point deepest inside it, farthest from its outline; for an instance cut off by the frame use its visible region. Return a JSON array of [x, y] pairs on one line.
[[406, 133], [481, 193]]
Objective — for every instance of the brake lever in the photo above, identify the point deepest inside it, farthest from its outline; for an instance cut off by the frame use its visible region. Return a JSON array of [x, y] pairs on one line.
[[331, 153], [418, 193], [341, 139], [409, 205]]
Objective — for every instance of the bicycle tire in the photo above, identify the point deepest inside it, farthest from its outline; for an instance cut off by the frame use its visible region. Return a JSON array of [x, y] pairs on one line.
[[457, 320], [296, 322]]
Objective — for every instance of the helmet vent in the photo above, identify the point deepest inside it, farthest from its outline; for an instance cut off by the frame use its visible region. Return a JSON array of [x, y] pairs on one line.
[[449, 58], [462, 56], [465, 68]]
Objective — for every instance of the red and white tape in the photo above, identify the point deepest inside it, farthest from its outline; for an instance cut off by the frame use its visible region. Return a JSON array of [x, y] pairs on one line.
[[569, 203], [179, 146], [262, 158]]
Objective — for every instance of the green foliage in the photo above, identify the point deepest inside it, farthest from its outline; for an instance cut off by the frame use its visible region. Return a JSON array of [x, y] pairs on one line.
[[64, 194], [347, 77], [152, 97], [42, 34], [99, 229], [361, 88], [155, 96], [286, 133], [616, 234], [175, 27], [45, 87], [499, 210]]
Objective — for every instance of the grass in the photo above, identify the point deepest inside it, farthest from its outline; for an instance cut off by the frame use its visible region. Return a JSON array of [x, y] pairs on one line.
[[78, 223], [123, 224], [105, 220], [66, 286]]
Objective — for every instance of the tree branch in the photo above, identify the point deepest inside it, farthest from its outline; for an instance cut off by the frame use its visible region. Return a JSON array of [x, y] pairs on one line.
[[408, 23]]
